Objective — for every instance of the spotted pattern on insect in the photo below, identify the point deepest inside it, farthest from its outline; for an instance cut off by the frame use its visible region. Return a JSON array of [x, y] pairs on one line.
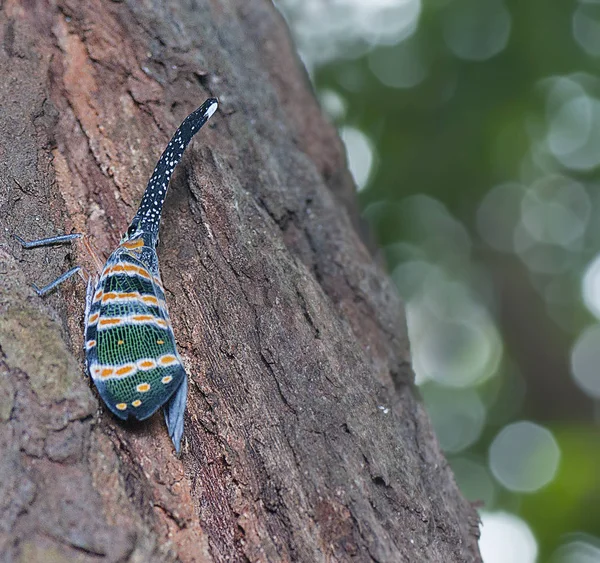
[[129, 342]]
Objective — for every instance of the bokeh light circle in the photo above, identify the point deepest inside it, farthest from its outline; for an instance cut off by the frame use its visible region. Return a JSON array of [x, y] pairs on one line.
[[581, 549], [474, 480], [476, 30], [590, 287], [555, 210], [585, 361], [506, 538], [586, 27], [399, 66], [360, 154], [498, 215], [458, 416], [346, 29], [334, 105], [454, 353], [524, 457]]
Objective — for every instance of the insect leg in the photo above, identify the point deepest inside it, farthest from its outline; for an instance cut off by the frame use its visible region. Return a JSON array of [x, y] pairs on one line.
[[47, 241], [50, 241], [174, 411], [43, 290]]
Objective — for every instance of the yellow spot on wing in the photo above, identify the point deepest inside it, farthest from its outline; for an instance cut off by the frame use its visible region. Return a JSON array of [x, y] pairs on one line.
[[143, 387], [146, 364], [167, 379], [93, 318], [167, 360], [160, 341], [105, 373], [121, 406], [90, 344], [136, 403], [120, 342], [125, 370]]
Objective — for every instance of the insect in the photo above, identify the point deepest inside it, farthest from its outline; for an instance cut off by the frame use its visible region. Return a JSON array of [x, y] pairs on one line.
[[129, 343]]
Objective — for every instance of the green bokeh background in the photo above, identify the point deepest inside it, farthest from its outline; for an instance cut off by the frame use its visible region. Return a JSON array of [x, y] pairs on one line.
[[485, 112]]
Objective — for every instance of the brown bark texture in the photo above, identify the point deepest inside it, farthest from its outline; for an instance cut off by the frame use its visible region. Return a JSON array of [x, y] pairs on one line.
[[304, 440]]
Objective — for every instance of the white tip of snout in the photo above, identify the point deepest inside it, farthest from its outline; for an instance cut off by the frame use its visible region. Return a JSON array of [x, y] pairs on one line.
[[211, 109]]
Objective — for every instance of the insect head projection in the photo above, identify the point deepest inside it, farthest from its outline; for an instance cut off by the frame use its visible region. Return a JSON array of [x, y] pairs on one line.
[[129, 342]]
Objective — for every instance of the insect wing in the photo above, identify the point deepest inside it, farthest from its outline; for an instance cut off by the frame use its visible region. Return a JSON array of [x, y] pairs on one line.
[[130, 347]]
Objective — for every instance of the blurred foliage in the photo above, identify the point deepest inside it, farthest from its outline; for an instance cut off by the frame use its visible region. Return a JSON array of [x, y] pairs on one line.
[[473, 132]]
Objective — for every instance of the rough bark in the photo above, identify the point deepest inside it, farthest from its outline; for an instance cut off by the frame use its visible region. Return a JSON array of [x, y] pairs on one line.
[[304, 440]]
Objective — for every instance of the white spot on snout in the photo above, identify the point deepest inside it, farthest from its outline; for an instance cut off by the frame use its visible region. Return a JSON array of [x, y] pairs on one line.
[[211, 110]]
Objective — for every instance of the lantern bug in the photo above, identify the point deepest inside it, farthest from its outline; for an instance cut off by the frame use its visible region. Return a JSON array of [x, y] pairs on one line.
[[129, 342]]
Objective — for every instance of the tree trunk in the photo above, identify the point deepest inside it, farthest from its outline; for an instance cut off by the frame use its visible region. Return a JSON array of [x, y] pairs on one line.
[[304, 440]]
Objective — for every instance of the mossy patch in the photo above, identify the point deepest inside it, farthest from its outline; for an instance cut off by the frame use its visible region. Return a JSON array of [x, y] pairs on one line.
[[31, 342], [44, 551]]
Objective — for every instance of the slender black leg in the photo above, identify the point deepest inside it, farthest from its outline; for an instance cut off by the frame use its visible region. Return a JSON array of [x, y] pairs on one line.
[[47, 241], [43, 290], [50, 241]]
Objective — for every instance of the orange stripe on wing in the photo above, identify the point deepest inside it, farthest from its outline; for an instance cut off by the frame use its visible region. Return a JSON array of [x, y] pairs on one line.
[[104, 372], [150, 300], [144, 273], [127, 268], [143, 318], [136, 270], [110, 321], [123, 296], [133, 244]]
